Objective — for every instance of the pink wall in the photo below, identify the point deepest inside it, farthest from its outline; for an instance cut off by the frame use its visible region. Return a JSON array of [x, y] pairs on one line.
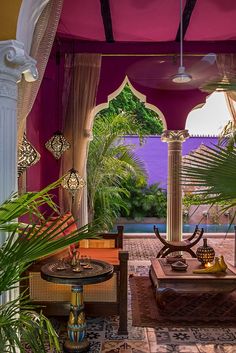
[[45, 117]]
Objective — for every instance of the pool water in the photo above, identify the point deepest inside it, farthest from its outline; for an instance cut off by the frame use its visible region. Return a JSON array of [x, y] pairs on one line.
[[187, 228]]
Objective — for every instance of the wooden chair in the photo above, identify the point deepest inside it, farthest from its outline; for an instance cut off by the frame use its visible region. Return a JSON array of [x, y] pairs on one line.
[[107, 298], [183, 245]]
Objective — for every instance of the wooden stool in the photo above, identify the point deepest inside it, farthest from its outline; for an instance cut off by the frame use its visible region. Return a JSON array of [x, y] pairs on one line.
[[183, 245]]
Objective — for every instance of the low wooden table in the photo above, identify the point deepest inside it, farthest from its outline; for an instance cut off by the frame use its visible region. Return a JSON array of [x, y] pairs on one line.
[[165, 279]]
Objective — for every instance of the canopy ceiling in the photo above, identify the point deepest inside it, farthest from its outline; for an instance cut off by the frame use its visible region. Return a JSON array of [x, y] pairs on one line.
[[148, 20]]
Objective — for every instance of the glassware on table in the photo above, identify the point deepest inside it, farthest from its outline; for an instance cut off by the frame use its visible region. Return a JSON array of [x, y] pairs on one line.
[[87, 263], [83, 260]]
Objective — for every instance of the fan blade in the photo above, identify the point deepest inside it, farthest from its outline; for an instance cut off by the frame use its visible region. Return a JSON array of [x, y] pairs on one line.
[[157, 72]]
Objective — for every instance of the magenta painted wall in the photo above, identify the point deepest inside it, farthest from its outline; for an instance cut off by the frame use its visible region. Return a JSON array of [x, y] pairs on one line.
[[154, 154], [175, 105], [45, 117]]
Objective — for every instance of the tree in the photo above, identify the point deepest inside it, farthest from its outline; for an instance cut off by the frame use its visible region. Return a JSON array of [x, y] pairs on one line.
[[110, 162], [128, 103]]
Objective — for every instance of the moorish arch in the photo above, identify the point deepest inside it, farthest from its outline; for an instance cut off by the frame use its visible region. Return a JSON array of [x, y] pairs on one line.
[[83, 210], [137, 94], [209, 117]]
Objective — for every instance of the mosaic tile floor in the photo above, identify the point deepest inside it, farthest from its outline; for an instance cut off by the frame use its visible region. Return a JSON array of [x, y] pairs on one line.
[[102, 332]]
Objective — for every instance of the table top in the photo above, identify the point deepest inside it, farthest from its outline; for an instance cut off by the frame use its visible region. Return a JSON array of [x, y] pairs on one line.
[[99, 271], [163, 271]]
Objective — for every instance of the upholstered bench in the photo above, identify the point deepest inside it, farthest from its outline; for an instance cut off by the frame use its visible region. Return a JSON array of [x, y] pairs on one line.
[[107, 298]]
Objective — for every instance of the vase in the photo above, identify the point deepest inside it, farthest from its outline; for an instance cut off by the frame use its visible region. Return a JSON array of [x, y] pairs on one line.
[[205, 254]]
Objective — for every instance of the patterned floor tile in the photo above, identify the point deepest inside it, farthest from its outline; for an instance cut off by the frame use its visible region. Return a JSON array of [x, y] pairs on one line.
[[229, 348], [133, 346], [184, 336], [159, 337], [219, 335], [210, 348]]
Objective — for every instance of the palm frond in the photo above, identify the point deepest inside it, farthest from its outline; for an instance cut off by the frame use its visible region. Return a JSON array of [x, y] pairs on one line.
[[211, 173]]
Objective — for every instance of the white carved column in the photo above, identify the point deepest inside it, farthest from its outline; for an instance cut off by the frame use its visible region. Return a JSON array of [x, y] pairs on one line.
[[174, 138], [13, 63]]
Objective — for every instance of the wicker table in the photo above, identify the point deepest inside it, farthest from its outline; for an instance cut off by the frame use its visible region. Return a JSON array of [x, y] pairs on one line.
[[165, 279], [100, 271]]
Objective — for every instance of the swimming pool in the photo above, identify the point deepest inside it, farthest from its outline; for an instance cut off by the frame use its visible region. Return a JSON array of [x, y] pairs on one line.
[[187, 228]]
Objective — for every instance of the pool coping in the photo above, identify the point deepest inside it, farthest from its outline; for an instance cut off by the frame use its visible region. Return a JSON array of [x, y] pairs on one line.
[[152, 235]]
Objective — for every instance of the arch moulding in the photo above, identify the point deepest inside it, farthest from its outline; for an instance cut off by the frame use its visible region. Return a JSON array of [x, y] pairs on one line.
[[137, 94]]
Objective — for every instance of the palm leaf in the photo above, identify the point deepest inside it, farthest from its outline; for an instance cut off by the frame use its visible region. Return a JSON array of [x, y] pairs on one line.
[[211, 173]]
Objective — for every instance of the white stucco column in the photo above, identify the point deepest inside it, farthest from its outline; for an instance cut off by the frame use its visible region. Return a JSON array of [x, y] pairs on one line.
[[13, 63], [174, 138]]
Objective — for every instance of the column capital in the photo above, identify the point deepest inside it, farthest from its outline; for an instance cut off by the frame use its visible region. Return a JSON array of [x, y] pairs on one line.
[[174, 135], [14, 62]]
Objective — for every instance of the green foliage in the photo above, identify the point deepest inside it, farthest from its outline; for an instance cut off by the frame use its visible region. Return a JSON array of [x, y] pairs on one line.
[[110, 163], [19, 247], [212, 174], [144, 200], [190, 199], [127, 102], [228, 135]]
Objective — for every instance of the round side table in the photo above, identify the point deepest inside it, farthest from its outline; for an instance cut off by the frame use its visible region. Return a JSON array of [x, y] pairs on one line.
[[99, 271]]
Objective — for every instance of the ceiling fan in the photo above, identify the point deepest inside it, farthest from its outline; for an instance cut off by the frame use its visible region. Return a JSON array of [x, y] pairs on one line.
[[162, 72], [181, 76]]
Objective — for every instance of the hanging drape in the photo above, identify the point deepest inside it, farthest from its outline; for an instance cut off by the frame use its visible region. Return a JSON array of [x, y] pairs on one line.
[[227, 68], [42, 42], [82, 73]]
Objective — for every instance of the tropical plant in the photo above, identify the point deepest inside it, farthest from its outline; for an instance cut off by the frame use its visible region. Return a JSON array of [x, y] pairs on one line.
[[145, 200], [22, 244], [110, 162], [228, 135], [211, 174], [128, 103]]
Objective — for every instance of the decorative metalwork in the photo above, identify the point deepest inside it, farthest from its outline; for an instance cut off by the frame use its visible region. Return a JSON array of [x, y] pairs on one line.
[[73, 182], [27, 156], [205, 254], [57, 144]]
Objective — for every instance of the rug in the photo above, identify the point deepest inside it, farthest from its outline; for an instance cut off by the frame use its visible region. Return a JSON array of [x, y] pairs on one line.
[[202, 310]]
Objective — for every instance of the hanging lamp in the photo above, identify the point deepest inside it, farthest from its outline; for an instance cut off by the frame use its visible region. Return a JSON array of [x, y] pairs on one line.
[[58, 144], [181, 76], [27, 156], [72, 181]]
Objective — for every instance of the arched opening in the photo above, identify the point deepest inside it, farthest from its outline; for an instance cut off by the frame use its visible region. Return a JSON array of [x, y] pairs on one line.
[[139, 121], [209, 118]]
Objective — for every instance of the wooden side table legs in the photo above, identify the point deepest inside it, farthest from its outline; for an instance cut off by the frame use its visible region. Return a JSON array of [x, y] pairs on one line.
[[76, 327]]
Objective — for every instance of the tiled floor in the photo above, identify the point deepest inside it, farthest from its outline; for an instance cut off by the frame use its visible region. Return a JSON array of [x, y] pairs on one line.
[[102, 332]]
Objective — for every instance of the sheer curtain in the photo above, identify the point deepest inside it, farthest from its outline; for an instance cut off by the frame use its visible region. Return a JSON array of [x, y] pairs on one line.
[[82, 73], [42, 42]]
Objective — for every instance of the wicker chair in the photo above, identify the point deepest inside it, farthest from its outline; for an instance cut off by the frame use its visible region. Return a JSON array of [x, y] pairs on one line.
[[183, 245]]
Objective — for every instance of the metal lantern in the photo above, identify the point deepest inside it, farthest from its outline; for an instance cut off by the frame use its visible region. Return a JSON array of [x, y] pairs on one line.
[[27, 156], [57, 144], [205, 254], [73, 182]]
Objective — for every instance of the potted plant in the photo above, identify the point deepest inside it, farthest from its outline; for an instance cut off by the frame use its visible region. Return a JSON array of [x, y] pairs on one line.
[[19, 323]]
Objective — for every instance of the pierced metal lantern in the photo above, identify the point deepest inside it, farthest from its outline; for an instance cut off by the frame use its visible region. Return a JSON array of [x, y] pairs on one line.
[[27, 156], [57, 144], [205, 254], [73, 182]]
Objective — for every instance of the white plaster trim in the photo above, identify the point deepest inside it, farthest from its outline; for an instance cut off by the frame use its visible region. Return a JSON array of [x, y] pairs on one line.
[[29, 14], [139, 95]]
